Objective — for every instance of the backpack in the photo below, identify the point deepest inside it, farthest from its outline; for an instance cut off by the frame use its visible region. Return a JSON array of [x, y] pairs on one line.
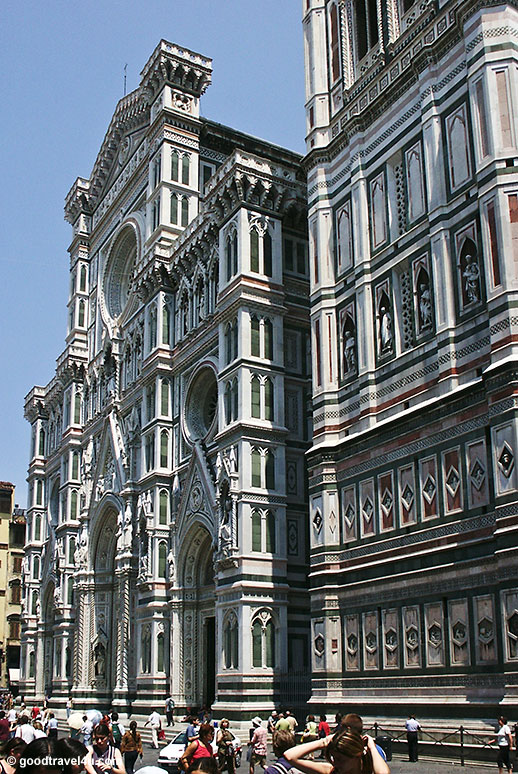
[[116, 733]]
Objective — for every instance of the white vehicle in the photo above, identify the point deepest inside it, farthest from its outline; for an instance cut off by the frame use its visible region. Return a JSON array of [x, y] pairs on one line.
[[171, 753]]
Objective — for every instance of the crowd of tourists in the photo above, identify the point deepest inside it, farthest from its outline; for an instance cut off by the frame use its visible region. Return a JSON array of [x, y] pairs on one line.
[[29, 743]]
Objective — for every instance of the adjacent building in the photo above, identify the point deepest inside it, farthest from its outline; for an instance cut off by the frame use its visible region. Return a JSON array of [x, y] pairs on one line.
[[412, 164], [167, 499], [12, 540]]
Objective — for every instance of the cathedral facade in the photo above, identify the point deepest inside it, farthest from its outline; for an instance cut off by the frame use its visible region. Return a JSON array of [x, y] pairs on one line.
[[412, 162], [167, 520]]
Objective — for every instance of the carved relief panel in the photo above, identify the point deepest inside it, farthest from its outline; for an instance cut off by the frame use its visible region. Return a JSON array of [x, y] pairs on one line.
[[348, 342], [510, 623], [476, 465], [319, 645], [459, 632], [412, 636], [332, 526], [485, 634], [416, 204], [452, 481], [352, 642], [391, 639], [428, 484], [407, 495], [504, 453], [367, 508], [386, 501], [434, 628], [317, 522], [458, 144], [370, 640], [345, 237], [349, 513]]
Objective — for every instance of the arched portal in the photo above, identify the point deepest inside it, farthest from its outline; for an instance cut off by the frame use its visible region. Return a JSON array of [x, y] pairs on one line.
[[103, 644], [48, 618], [197, 668]]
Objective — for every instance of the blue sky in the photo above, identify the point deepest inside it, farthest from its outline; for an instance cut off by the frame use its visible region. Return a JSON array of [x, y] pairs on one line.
[[62, 64]]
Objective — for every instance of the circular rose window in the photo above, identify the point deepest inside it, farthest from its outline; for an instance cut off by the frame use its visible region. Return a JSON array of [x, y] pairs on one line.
[[119, 272], [201, 404]]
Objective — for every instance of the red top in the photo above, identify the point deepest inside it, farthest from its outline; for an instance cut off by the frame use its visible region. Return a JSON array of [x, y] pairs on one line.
[[324, 726], [202, 751], [35, 712], [4, 730]]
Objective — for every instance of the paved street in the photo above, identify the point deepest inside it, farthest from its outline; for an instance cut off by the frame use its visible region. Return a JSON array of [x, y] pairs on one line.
[[397, 765]]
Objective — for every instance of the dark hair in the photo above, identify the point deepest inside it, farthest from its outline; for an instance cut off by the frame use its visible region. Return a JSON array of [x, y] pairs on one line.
[[14, 746], [282, 741], [133, 729], [503, 719], [205, 730], [311, 718], [71, 748], [115, 716], [349, 743], [2, 714], [352, 720], [323, 718], [102, 730], [36, 750], [85, 717], [209, 765], [23, 720]]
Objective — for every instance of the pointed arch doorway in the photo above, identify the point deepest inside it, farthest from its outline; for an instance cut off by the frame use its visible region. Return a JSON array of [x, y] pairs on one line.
[[198, 665]]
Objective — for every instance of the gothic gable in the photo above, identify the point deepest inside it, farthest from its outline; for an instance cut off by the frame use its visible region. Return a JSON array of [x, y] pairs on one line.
[[198, 497]]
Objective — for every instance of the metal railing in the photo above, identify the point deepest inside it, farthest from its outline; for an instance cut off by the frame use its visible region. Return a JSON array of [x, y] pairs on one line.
[[460, 743]]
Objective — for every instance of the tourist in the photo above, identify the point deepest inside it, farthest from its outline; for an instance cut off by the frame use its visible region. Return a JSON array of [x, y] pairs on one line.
[[258, 745], [52, 726], [10, 754], [25, 731], [199, 748], [207, 765], [283, 723], [12, 716], [412, 727], [117, 730], [131, 747], [35, 713], [347, 752], [226, 753], [37, 750], [192, 729], [72, 749], [69, 706], [169, 709], [272, 720], [86, 730], [504, 739], [103, 757], [310, 732], [155, 724], [281, 741], [356, 722], [323, 727], [291, 721], [5, 728], [39, 733]]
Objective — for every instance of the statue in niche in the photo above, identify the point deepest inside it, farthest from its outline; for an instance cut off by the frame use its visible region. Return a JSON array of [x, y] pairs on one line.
[[127, 531], [100, 661], [171, 565], [470, 271], [219, 466], [386, 339], [471, 276], [58, 599], [232, 459], [81, 552], [225, 521], [424, 302], [349, 347]]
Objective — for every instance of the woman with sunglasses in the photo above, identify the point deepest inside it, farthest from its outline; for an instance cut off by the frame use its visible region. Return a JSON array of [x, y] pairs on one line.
[[103, 757]]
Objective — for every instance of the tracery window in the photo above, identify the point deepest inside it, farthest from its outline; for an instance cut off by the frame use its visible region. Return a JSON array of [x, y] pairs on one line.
[[174, 164], [263, 531], [164, 449], [231, 340], [82, 279], [186, 163], [37, 527], [166, 324], [231, 642], [256, 397], [163, 507], [173, 209], [41, 442], [335, 43], [366, 23], [185, 211], [261, 251], [70, 591], [81, 314], [231, 254], [263, 640], [162, 559], [160, 652], [231, 401], [164, 398], [263, 468], [75, 465], [39, 492], [73, 504], [145, 646], [36, 568]]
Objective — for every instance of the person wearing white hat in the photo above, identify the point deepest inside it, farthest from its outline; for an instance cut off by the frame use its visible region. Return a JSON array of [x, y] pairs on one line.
[[258, 745]]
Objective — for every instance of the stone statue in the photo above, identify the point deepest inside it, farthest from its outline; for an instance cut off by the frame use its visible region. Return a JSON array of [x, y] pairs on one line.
[[232, 459], [100, 661], [471, 275], [349, 351], [425, 305], [127, 526], [171, 565], [385, 329], [219, 466], [58, 599]]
